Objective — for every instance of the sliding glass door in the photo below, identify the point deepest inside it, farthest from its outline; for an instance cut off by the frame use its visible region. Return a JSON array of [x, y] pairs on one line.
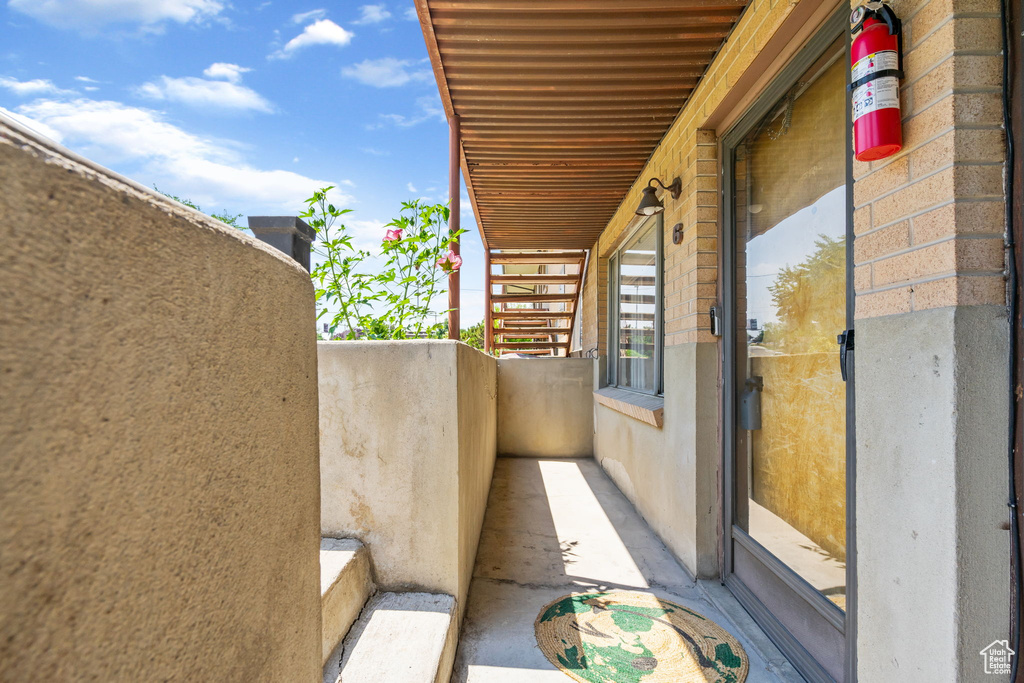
[[787, 414]]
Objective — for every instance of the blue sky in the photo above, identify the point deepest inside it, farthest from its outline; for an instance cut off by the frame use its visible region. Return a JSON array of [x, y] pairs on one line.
[[242, 106]]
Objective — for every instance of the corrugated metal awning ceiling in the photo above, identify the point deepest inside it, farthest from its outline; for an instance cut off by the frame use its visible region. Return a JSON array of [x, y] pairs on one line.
[[561, 102]]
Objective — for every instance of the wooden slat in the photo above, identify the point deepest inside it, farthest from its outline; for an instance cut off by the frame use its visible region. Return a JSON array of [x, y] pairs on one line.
[[528, 314], [531, 298], [590, 21], [536, 258], [535, 279], [545, 6], [593, 86], [608, 35], [532, 330], [530, 345], [524, 335]]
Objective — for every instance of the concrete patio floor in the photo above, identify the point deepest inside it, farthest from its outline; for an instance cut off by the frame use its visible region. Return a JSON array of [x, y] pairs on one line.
[[554, 527]]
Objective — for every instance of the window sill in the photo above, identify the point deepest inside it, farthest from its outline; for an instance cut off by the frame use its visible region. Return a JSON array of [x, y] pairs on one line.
[[644, 407]]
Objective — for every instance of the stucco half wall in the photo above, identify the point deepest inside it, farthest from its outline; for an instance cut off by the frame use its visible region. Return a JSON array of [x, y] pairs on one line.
[[158, 468], [408, 441], [671, 473], [546, 407]]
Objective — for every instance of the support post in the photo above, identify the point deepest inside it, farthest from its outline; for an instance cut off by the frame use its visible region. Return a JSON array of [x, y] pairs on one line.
[[488, 306], [454, 192]]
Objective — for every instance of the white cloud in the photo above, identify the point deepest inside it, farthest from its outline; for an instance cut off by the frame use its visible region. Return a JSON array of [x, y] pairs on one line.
[[411, 188], [372, 14], [366, 234], [303, 17], [86, 79], [225, 71], [201, 93], [207, 171], [387, 72], [372, 151], [322, 32], [429, 109], [410, 14], [37, 86], [92, 14]]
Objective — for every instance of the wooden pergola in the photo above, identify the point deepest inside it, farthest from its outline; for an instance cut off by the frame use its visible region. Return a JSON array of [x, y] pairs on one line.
[[555, 107]]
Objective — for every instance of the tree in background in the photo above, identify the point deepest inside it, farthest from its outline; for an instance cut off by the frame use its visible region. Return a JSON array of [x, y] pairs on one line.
[[474, 335], [805, 297], [223, 217]]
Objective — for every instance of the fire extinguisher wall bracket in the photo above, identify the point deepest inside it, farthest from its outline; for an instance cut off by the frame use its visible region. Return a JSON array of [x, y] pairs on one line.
[[876, 57], [879, 11]]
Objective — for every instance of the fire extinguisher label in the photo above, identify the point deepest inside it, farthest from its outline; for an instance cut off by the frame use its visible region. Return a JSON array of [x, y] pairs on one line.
[[883, 93]]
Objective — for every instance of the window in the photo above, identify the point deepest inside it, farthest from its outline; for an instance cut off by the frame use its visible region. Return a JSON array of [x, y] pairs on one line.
[[634, 320]]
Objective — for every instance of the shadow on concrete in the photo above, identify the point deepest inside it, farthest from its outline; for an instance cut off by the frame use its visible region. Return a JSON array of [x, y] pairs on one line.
[[552, 528]]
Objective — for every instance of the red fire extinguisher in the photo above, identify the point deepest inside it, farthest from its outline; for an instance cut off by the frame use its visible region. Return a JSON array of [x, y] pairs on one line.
[[876, 58]]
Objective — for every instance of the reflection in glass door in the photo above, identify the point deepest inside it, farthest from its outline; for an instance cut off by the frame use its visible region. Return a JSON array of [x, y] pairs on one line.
[[789, 283]]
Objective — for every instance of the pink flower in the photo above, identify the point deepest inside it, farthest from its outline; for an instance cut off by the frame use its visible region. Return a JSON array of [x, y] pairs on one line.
[[450, 262], [393, 235]]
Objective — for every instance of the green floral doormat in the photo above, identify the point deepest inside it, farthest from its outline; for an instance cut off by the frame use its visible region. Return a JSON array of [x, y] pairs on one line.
[[627, 637]]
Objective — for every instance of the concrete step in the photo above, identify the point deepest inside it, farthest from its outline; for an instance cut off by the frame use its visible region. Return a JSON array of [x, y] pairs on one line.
[[345, 585], [401, 638]]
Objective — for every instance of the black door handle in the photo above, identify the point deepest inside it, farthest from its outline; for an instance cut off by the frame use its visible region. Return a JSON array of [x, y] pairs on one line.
[[845, 352]]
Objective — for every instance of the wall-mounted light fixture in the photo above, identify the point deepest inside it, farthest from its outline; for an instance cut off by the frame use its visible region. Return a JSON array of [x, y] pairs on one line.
[[649, 202]]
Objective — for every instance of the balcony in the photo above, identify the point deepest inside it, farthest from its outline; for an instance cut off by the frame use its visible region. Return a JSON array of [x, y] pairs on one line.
[[177, 483]]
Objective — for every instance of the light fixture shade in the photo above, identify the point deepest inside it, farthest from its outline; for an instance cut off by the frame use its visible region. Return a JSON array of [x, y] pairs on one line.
[[649, 203]]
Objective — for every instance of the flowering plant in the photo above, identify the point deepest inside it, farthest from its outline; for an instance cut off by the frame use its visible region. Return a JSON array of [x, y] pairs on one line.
[[418, 248], [336, 278], [394, 304], [450, 261]]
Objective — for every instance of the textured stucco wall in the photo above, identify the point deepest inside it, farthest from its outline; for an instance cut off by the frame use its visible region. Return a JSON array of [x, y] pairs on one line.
[[545, 407], [389, 457], [932, 554], [158, 470], [407, 434], [478, 434], [670, 474]]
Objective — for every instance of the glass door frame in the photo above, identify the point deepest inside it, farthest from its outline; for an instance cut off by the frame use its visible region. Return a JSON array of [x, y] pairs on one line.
[[836, 26]]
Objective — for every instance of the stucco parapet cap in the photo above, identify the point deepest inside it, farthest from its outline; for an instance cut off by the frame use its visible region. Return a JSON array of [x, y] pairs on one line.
[[398, 344], [281, 224], [389, 342]]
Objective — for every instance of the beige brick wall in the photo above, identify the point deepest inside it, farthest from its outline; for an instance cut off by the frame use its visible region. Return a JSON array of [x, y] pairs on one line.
[[688, 151], [588, 305], [929, 220]]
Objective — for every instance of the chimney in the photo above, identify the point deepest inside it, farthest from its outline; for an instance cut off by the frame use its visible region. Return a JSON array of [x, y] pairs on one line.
[[290, 234]]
